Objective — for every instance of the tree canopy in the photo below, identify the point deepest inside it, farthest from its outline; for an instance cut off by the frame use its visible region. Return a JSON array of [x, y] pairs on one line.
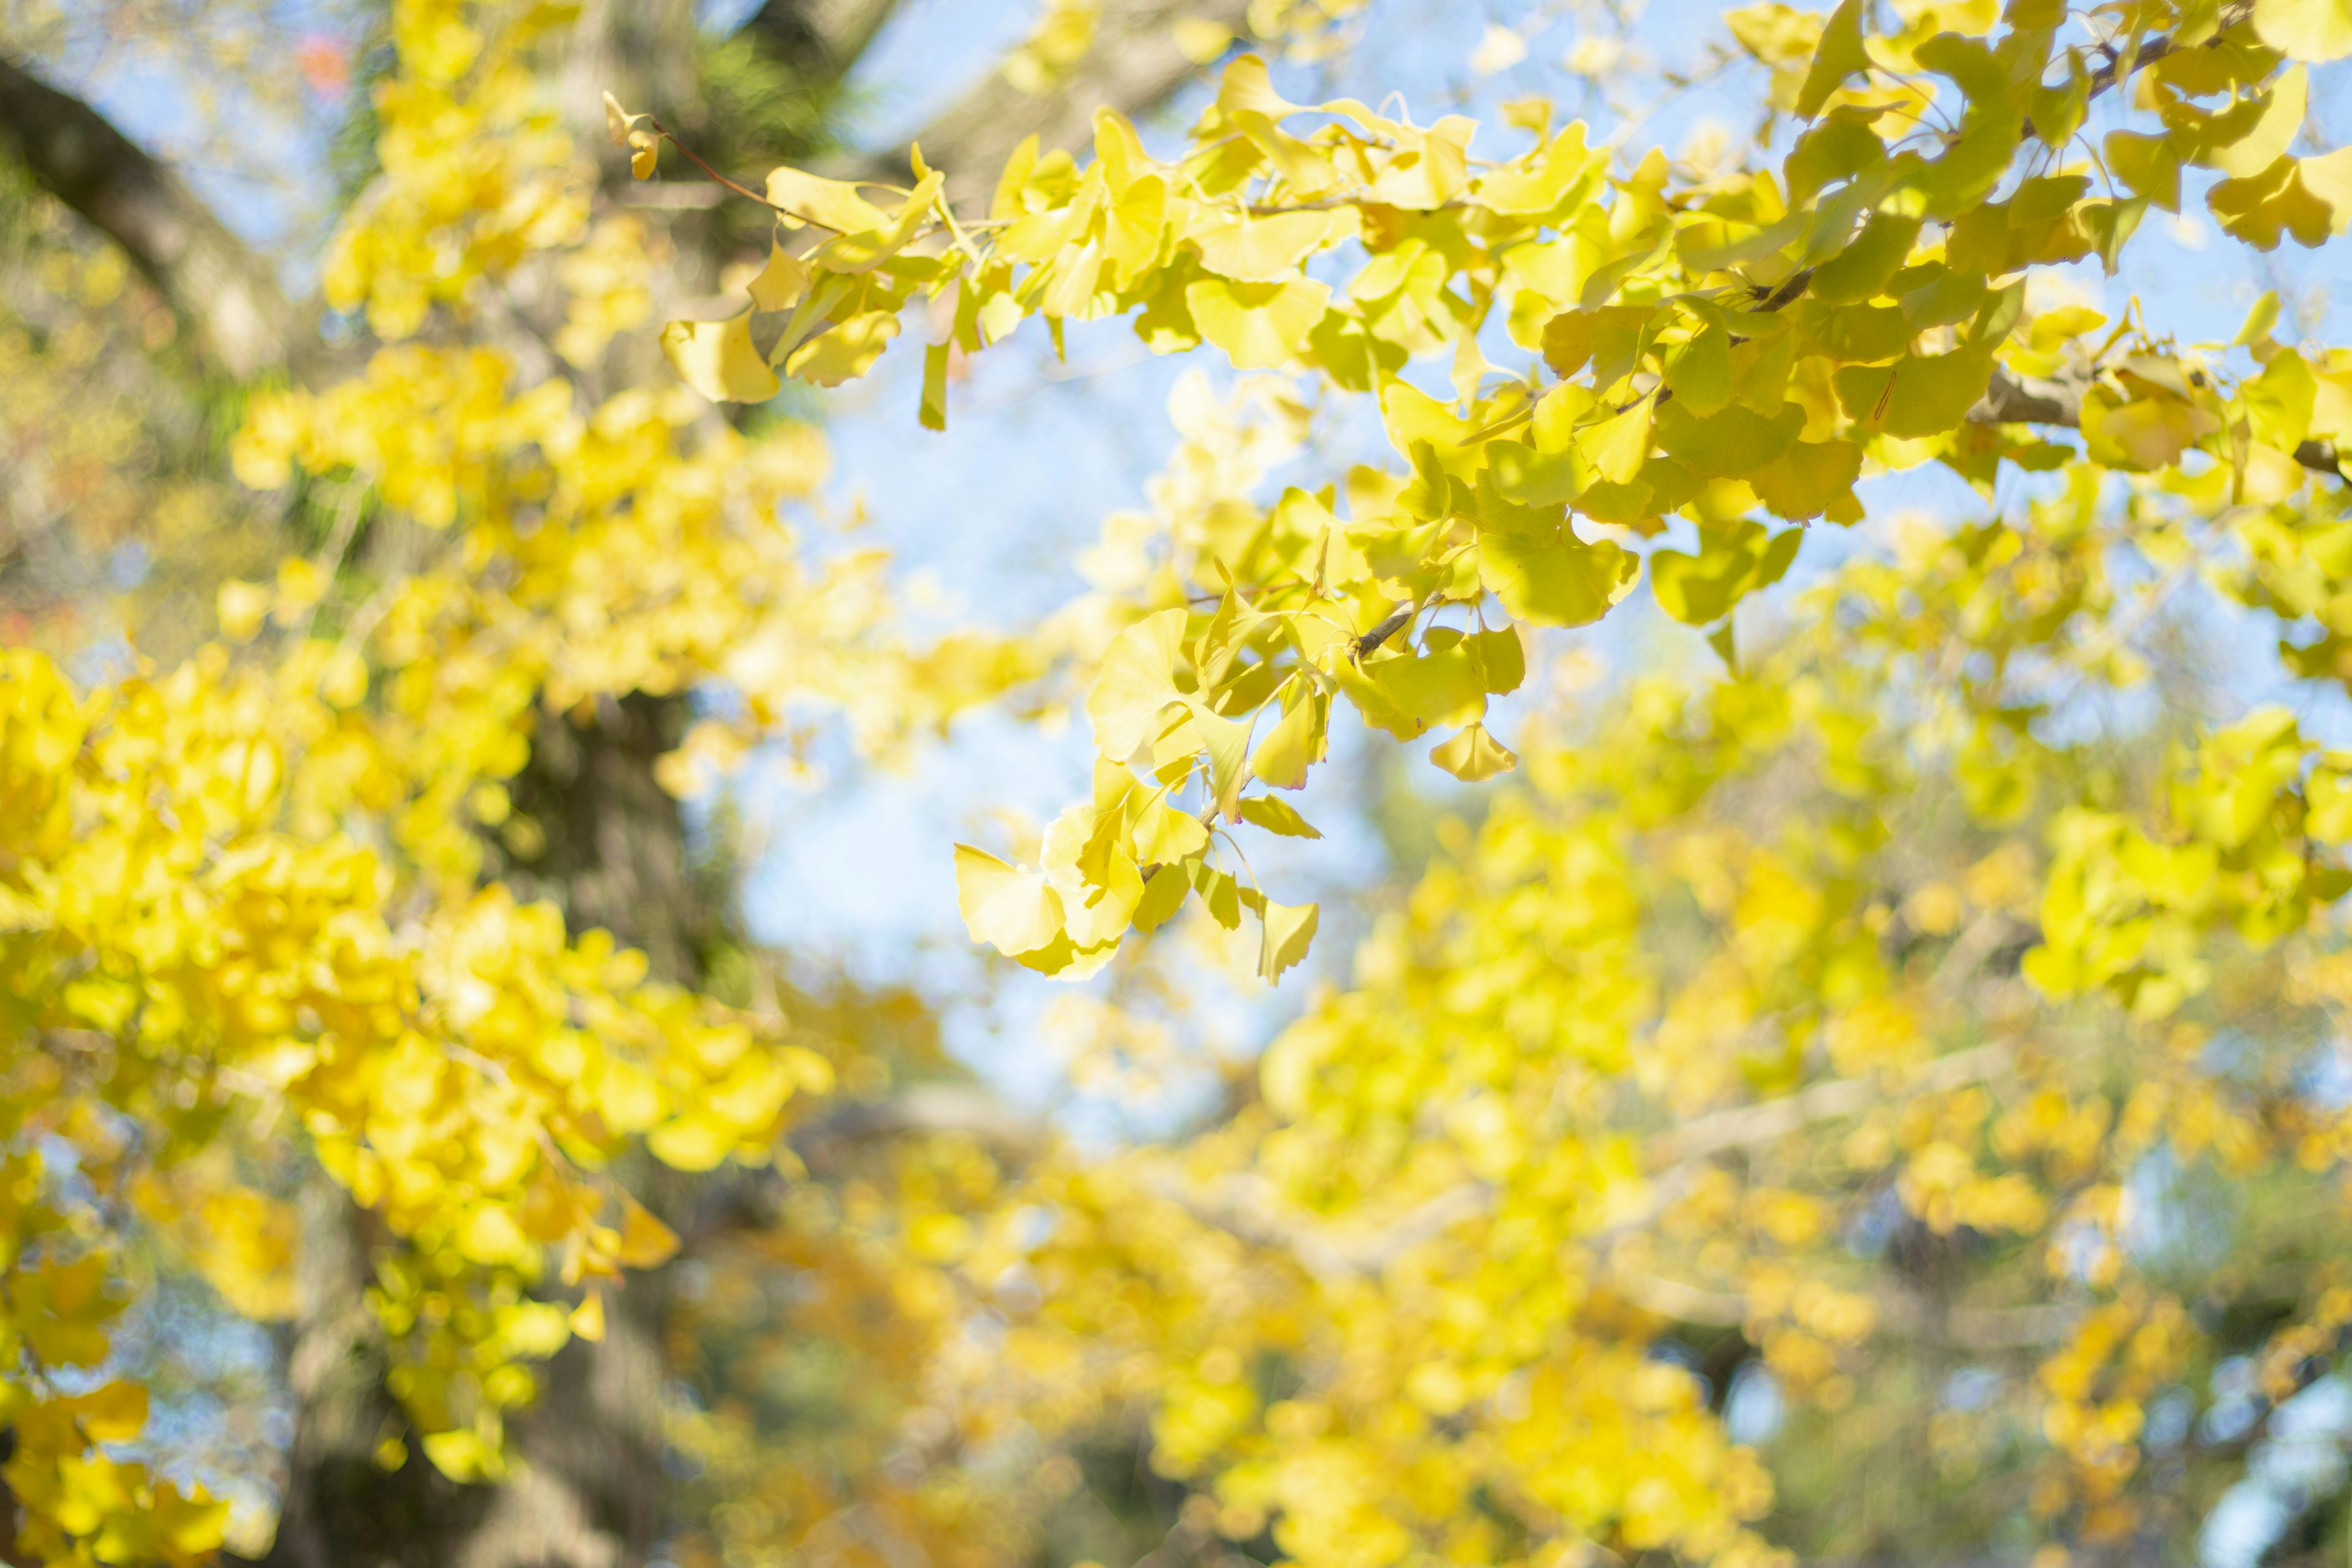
[[1862, 1077]]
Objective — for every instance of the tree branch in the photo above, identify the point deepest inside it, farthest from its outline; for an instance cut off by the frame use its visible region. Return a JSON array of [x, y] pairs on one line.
[[1132, 65], [216, 284], [2037, 400]]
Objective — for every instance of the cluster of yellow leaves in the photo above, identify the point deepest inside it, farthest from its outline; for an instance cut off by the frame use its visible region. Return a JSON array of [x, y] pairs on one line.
[[245, 899], [464, 1069], [1727, 347], [1659, 1042]]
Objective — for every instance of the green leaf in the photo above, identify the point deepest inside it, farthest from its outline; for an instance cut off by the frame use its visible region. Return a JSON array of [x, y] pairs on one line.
[[2149, 165], [1436, 687], [1558, 581], [1811, 479], [1873, 257], [1734, 442], [1700, 377], [1919, 394]]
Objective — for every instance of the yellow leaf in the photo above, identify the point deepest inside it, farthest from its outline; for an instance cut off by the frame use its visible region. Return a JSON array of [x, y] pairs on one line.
[[1474, 755], [1200, 40], [1287, 931], [829, 204], [782, 282], [695, 1142], [645, 1241], [1136, 684], [1294, 744], [116, 1413], [2312, 30], [461, 1455], [242, 607], [1558, 581], [1011, 911], [717, 359], [2273, 133], [1839, 55], [588, 1318], [1228, 742], [1266, 249], [1260, 326], [845, 352]]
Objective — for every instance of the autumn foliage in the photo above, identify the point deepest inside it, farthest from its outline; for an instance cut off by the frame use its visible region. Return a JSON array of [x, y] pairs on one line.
[[1938, 987]]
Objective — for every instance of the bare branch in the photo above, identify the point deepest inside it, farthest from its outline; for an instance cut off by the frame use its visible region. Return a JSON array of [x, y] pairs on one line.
[[2037, 400], [216, 284]]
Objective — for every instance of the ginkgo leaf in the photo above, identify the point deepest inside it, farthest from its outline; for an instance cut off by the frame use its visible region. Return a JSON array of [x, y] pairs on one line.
[[845, 352], [1277, 815], [1502, 658], [2266, 141], [1287, 931], [1700, 376], [645, 1241], [1919, 394], [1228, 742], [1838, 56], [1165, 833], [2149, 165], [1436, 687], [1260, 326], [1011, 911], [1618, 445], [717, 359], [1473, 756], [632, 131], [782, 283], [1163, 895], [829, 204], [2144, 434], [1558, 581], [1294, 744], [1266, 249], [1136, 684], [2312, 30]]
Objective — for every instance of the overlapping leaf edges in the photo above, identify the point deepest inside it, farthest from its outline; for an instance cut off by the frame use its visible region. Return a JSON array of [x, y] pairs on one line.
[[1732, 349]]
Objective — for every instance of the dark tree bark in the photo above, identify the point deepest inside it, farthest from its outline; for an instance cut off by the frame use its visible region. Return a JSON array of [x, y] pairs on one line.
[[217, 286]]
